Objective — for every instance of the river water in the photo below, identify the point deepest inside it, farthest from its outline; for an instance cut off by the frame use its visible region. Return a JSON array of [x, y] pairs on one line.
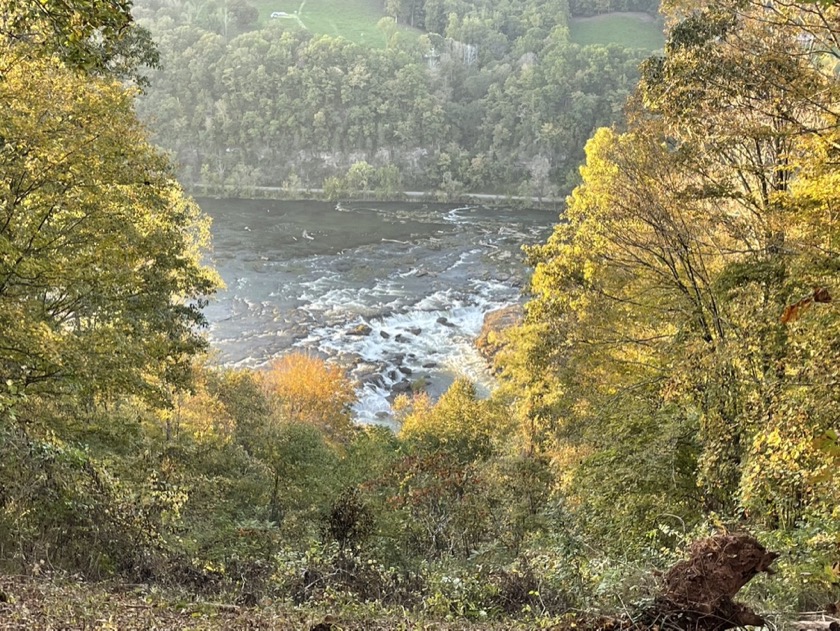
[[396, 293]]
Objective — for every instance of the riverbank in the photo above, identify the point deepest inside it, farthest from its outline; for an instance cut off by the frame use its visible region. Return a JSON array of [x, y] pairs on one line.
[[318, 194]]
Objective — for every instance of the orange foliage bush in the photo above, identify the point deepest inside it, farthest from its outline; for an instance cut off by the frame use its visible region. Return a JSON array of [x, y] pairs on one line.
[[306, 389]]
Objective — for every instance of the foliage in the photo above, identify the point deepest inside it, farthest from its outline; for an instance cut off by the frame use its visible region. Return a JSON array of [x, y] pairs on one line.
[[62, 507], [806, 576], [279, 101], [100, 280], [458, 423], [675, 373], [306, 389], [87, 35], [669, 360]]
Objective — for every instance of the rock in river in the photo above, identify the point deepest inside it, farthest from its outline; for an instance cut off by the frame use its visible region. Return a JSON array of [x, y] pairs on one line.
[[491, 340]]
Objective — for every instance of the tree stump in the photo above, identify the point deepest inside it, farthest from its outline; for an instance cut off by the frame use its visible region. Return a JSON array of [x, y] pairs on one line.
[[699, 591]]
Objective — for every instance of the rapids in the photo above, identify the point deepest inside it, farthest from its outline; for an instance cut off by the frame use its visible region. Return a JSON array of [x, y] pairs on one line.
[[394, 292]]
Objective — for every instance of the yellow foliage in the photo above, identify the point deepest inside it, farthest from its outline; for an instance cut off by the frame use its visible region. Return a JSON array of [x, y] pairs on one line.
[[308, 390], [565, 459], [458, 421], [90, 210], [406, 407], [204, 416]]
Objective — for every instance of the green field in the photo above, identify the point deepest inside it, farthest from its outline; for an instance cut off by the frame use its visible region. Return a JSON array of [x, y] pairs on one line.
[[354, 20], [631, 30]]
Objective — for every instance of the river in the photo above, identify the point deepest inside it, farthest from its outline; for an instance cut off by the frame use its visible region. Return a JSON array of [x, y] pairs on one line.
[[394, 292]]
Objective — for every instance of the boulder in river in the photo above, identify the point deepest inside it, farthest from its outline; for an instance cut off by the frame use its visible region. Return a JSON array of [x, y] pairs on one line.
[[374, 380], [401, 387], [360, 330], [491, 339]]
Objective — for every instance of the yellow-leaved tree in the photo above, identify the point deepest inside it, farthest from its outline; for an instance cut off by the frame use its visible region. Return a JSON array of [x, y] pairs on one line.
[[101, 283], [101, 286], [679, 351], [308, 390], [459, 422]]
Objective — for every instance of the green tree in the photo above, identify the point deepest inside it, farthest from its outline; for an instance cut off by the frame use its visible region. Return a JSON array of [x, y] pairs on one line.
[[88, 35], [101, 286], [359, 177], [675, 301]]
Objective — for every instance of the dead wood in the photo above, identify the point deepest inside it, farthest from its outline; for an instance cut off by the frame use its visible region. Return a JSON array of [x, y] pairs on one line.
[[699, 591]]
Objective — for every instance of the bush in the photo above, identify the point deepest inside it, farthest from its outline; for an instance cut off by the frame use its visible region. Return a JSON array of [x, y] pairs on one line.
[[306, 389], [59, 507]]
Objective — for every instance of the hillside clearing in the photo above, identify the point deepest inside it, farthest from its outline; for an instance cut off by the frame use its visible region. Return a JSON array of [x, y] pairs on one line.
[[354, 20], [631, 30]]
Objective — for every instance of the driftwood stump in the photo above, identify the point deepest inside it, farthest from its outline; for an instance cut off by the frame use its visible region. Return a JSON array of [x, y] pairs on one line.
[[699, 591]]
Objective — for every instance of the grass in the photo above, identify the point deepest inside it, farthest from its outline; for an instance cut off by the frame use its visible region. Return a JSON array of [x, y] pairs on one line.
[[631, 30], [354, 20], [63, 603]]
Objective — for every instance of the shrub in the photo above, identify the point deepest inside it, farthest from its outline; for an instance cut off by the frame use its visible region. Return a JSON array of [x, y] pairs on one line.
[[306, 389]]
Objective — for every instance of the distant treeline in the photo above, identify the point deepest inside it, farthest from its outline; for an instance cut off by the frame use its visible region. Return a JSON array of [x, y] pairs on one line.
[[433, 15], [277, 104]]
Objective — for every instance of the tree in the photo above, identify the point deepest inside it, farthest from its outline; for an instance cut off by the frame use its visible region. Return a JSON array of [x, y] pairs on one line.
[[245, 14], [752, 102], [669, 304], [101, 286], [359, 177], [96, 37], [309, 391], [459, 422]]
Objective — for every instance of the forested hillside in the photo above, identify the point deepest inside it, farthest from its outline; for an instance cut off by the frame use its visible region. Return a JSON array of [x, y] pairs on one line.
[[492, 97], [674, 376]]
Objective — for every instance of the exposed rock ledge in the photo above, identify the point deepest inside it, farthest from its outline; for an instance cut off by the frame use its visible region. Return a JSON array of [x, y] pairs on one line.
[[491, 339]]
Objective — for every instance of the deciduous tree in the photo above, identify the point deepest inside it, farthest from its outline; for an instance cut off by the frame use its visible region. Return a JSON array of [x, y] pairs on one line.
[[101, 285]]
